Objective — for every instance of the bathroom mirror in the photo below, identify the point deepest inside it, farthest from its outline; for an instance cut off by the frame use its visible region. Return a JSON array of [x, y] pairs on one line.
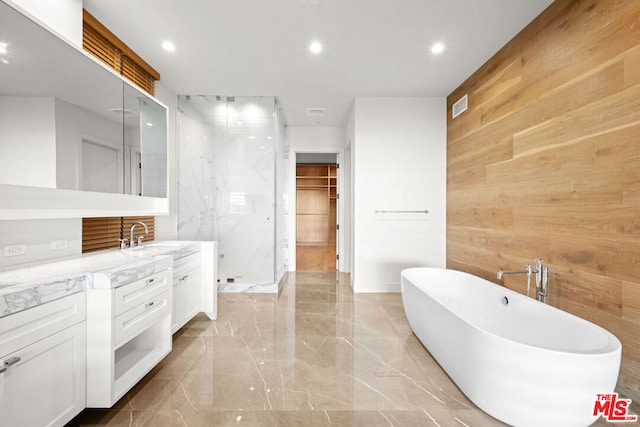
[[65, 131], [60, 114], [145, 141]]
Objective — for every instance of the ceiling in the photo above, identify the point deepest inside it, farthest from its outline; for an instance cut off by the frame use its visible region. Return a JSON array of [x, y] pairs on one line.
[[370, 47]]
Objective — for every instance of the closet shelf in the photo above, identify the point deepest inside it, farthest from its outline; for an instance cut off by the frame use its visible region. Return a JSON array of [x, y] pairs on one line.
[[316, 188]]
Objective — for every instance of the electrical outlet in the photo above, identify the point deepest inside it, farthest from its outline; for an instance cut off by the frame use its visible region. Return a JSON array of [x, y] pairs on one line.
[[59, 244], [13, 250]]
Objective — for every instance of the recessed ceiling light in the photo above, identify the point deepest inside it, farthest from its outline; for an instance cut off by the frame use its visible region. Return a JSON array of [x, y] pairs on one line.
[[437, 48], [4, 60], [3, 47], [315, 47], [168, 46], [149, 124]]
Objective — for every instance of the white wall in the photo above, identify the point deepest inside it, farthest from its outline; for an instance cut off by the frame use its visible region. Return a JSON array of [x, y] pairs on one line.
[[63, 17], [399, 163], [319, 140], [350, 134], [38, 236]]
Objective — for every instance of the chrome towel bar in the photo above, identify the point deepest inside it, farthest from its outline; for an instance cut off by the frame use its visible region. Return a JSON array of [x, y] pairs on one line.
[[394, 212]]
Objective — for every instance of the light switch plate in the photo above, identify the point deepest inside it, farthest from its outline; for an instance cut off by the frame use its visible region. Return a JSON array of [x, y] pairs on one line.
[[59, 244]]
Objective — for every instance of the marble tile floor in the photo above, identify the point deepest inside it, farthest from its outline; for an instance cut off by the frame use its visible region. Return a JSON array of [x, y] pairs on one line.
[[314, 355]]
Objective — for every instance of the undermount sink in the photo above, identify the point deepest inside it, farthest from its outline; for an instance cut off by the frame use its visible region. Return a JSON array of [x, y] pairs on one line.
[[141, 251], [157, 245], [163, 244], [154, 248]]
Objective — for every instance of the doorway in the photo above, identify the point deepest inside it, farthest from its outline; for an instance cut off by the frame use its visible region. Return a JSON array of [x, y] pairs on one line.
[[316, 211]]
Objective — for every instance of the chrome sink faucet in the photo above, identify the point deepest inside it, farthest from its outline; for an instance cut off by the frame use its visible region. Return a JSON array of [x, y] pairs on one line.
[[146, 231], [542, 278]]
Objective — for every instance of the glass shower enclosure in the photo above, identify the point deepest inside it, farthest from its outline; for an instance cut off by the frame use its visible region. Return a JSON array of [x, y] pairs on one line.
[[232, 184]]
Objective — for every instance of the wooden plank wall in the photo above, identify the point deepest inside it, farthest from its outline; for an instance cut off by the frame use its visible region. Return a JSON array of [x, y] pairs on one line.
[[546, 163], [104, 232]]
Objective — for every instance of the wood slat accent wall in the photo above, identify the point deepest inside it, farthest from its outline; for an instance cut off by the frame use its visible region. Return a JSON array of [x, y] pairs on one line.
[[100, 233], [149, 221], [104, 233], [104, 45], [546, 163]]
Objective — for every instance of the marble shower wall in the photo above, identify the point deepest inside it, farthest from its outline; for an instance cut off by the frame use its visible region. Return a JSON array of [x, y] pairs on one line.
[[227, 186]]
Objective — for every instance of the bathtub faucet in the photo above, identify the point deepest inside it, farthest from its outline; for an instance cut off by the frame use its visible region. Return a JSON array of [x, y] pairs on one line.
[[542, 278]]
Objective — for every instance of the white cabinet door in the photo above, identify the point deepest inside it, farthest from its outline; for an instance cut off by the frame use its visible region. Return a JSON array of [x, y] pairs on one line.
[[209, 279], [191, 290], [45, 382], [186, 299], [176, 306]]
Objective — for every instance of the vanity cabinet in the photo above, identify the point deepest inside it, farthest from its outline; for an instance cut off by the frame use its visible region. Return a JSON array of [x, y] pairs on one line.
[[186, 290], [42, 364], [128, 333]]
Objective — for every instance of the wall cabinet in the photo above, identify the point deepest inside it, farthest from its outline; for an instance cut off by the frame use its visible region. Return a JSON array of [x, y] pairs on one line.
[[42, 364], [77, 140], [128, 333]]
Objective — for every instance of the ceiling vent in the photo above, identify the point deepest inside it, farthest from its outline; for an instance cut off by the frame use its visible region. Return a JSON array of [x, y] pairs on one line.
[[459, 107], [316, 112]]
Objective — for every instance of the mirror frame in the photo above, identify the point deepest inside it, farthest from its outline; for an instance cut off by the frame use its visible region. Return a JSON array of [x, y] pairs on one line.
[[24, 202]]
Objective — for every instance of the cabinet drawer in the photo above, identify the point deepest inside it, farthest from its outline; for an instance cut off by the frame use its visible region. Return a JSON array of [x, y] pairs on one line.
[[141, 291], [25, 327], [183, 265], [139, 318]]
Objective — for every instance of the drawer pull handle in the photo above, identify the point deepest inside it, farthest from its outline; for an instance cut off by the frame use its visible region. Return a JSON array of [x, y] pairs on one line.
[[185, 277], [11, 361], [150, 304], [150, 281]]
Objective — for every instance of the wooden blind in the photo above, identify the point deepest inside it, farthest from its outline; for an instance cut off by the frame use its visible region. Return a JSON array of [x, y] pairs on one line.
[[100, 47], [100, 233], [104, 233], [135, 73], [105, 46], [128, 221]]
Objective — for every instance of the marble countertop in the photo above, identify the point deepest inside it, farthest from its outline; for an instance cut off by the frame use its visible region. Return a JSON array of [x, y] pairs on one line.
[[29, 286]]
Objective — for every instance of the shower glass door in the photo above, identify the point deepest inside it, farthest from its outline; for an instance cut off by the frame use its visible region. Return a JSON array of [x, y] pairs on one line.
[[227, 182], [249, 243]]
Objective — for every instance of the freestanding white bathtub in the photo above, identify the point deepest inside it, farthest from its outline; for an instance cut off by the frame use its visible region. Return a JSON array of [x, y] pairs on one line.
[[521, 361]]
